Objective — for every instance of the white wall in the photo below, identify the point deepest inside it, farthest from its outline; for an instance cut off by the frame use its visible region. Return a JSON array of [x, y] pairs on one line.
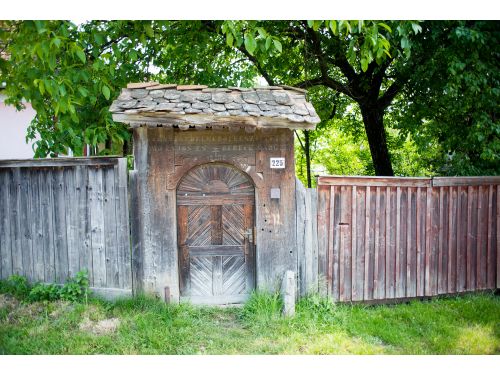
[[13, 125]]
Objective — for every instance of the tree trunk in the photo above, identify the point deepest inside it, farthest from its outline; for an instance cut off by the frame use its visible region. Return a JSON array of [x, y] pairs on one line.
[[307, 151], [373, 119]]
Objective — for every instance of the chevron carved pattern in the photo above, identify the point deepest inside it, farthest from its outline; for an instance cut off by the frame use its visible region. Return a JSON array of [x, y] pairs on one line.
[[233, 222], [199, 226], [201, 271], [233, 275]]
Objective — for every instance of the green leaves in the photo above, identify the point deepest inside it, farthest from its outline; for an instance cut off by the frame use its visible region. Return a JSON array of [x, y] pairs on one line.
[[83, 91], [250, 42], [277, 45], [105, 91], [81, 55], [253, 37]]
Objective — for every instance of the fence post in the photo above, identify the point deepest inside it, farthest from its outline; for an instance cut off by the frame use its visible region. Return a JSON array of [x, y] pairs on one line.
[[288, 291]]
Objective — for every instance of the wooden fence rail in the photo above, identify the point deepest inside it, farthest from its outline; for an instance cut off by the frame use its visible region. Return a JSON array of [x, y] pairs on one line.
[[58, 216], [385, 238]]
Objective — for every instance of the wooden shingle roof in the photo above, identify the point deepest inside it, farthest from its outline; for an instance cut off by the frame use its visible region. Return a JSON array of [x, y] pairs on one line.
[[154, 104]]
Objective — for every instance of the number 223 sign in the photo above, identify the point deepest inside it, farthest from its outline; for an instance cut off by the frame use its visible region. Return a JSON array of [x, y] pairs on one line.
[[277, 163]]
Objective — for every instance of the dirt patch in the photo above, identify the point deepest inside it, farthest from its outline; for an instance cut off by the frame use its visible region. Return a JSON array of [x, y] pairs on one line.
[[61, 308], [8, 302], [101, 327]]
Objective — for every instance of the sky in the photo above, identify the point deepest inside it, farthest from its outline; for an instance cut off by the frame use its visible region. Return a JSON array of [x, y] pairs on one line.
[[252, 9]]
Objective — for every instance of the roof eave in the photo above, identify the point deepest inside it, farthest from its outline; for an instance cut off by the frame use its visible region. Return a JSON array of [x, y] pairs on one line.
[[184, 121]]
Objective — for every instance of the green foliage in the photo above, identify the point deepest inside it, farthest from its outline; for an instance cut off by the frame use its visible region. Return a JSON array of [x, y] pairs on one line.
[[340, 147], [16, 285], [71, 73], [451, 325], [451, 99], [45, 292], [434, 84], [262, 307], [75, 289]]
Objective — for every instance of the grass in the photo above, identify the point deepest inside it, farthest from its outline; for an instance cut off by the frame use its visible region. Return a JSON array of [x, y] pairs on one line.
[[453, 325]]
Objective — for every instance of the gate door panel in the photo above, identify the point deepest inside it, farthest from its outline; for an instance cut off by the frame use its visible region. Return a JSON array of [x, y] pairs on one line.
[[215, 207]]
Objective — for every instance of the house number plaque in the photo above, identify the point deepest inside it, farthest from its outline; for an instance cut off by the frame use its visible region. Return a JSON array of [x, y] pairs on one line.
[[277, 163]]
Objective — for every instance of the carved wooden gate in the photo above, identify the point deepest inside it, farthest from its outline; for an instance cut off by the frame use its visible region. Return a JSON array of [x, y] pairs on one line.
[[215, 207]]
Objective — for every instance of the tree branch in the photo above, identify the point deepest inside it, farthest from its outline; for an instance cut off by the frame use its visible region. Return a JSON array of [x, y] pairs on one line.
[[253, 59], [378, 77], [327, 82], [323, 66], [385, 100]]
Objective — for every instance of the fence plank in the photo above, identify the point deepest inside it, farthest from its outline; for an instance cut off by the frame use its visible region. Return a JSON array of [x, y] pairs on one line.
[[357, 243], [36, 226], [110, 194], [72, 224], [498, 234], [411, 250], [388, 231], [345, 244], [61, 248], [418, 243], [463, 238], [399, 287], [5, 244], [452, 240], [323, 196], [366, 255], [393, 244], [83, 217], [331, 233], [5, 216], [434, 265], [135, 233], [25, 227], [15, 227], [47, 200], [428, 229], [483, 229], [336, 244], [490, 282], [359, 237], [97, 225], [313, 197], [381, 215], [301, 228], [123, 224]]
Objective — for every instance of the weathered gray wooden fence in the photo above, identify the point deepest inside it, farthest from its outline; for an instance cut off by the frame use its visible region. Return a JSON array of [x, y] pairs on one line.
[[59, 216], [358, 238], [390, 238]]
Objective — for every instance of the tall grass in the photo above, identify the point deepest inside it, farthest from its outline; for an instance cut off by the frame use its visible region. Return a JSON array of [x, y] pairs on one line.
[[453, 325]]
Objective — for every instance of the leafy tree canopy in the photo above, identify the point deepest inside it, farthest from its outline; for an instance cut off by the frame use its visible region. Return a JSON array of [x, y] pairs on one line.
[[397, 88]]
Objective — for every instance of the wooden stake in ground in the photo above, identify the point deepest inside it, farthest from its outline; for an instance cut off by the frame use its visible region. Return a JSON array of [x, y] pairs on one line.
[[288, 286]]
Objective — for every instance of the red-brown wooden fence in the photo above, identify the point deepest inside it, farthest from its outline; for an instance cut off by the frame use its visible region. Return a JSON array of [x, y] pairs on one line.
[[385, 238]]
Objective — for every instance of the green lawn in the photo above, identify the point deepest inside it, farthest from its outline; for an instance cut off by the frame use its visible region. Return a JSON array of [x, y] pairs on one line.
[[458, 325]]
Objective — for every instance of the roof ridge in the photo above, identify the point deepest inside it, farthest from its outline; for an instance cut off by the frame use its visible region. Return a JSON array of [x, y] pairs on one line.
[[157, 85]]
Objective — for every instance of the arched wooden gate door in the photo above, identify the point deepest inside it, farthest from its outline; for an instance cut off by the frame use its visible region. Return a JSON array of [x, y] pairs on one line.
[[215, 211]]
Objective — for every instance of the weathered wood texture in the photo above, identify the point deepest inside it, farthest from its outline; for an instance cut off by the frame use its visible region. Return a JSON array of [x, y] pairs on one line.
[[163, 156], [307, 240], [386, 238], [59, 216], [216, 245]]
